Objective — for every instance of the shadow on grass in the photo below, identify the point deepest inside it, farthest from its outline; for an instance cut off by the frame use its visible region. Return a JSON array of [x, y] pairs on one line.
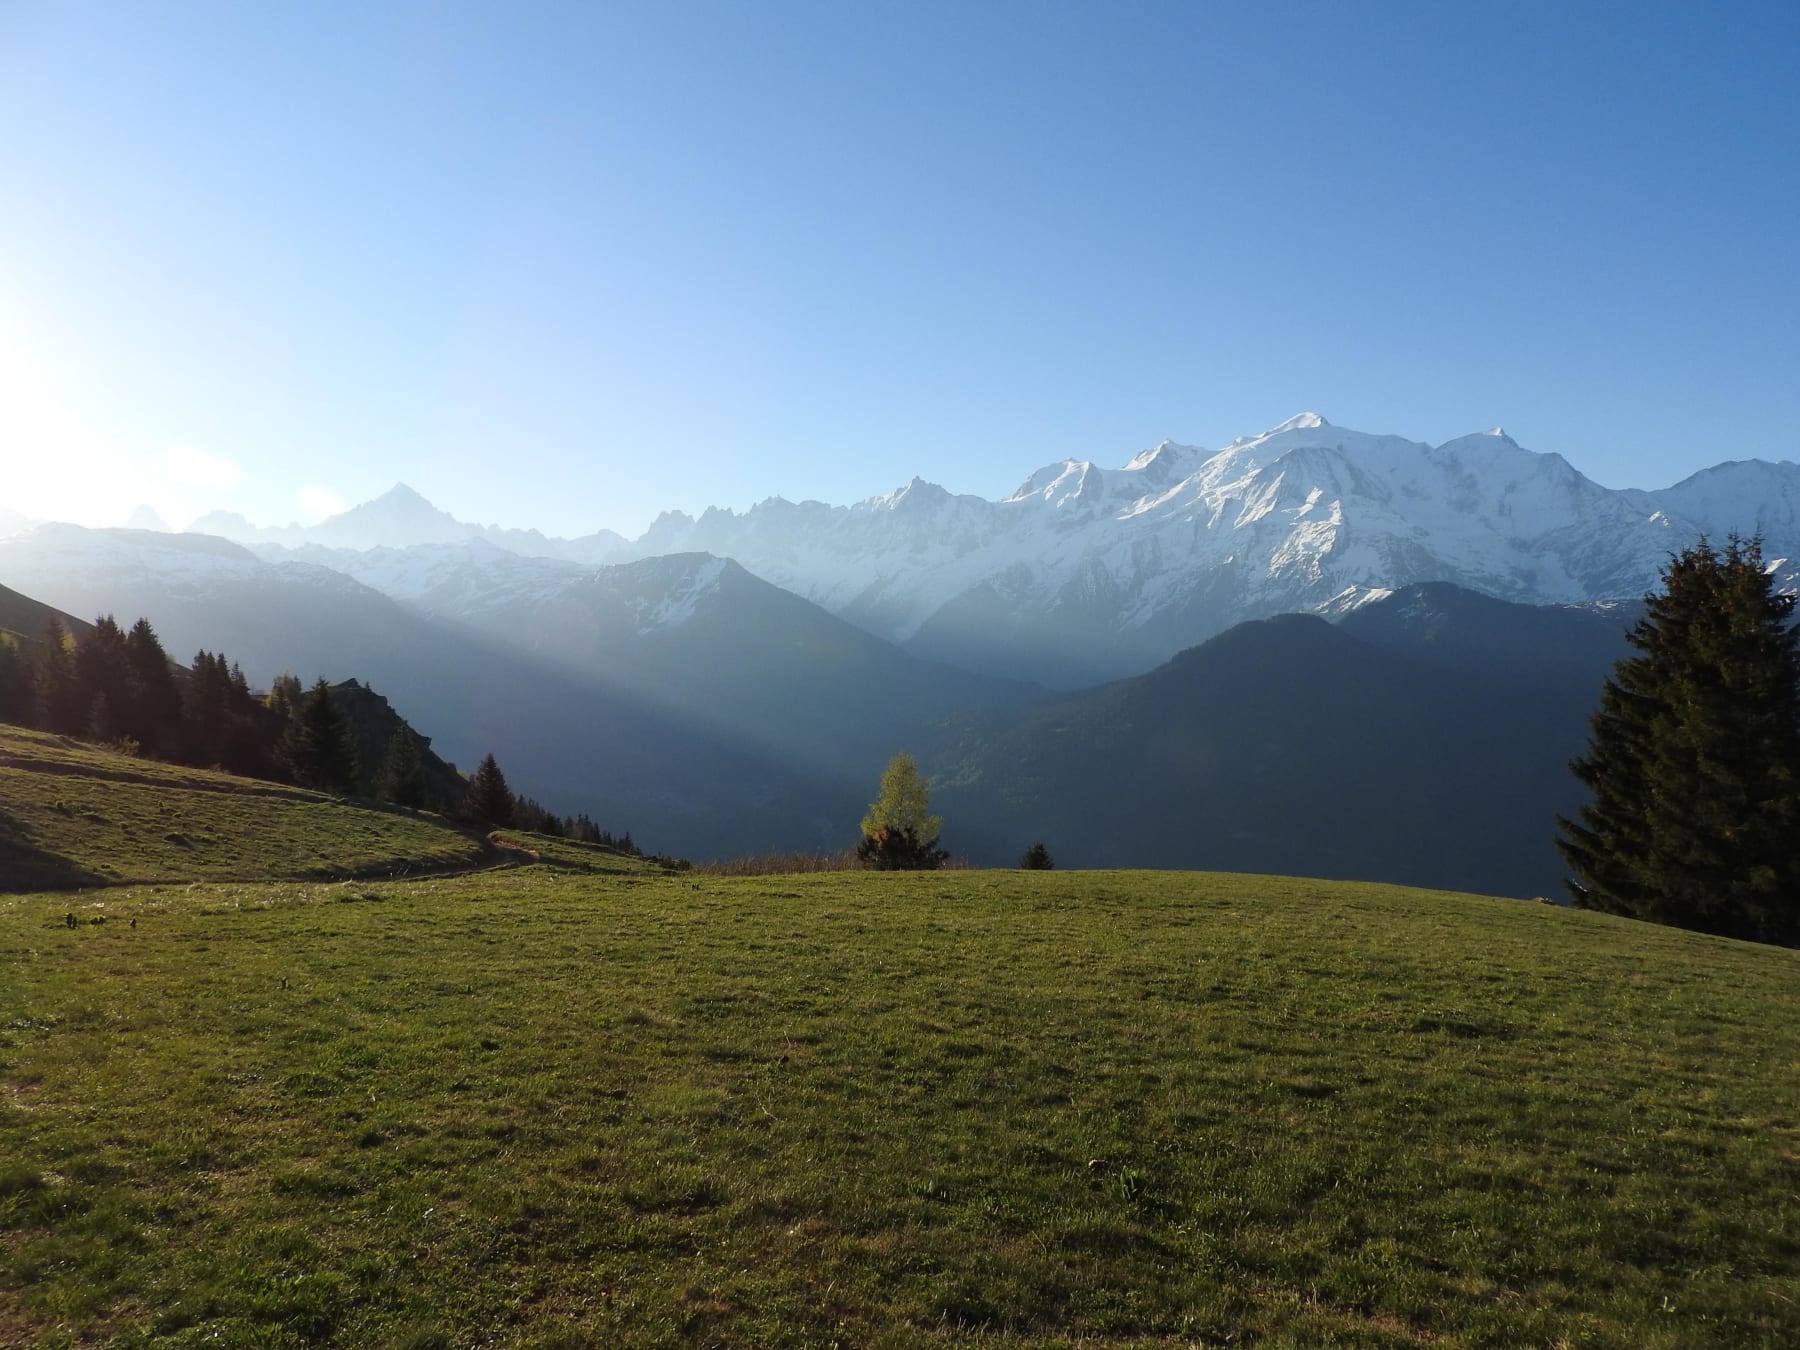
[[26, 867]]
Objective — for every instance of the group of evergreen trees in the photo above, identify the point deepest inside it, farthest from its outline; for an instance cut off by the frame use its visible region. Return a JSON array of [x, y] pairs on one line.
[[114, 686], [492, 803], [1693, 759], [120, 688]]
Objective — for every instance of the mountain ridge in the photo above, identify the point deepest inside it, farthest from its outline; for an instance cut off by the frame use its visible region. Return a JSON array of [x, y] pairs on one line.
[[1086, 574]]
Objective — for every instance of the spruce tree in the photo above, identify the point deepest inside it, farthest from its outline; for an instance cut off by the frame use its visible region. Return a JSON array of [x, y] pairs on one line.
[[489, 801], [1036, 858], [1693, 759], [317, 748], [61, 705], [284, 696], [17, 693], [153, 701], [402, 779], [100, 670]]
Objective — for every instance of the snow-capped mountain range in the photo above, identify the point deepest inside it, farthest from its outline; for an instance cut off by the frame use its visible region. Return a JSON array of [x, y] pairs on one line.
[[1087, 573]]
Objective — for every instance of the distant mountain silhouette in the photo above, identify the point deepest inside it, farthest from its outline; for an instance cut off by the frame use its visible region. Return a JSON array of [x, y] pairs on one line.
[[1432, 756]]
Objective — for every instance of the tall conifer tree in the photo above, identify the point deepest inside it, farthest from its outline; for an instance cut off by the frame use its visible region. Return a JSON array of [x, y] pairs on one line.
[[318, 749], [490, 801], [153, 712], [402, 779], [61, 705], [1693, 759]]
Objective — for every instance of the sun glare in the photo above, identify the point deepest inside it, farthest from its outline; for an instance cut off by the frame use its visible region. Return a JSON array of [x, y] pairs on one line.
[[319, 503]]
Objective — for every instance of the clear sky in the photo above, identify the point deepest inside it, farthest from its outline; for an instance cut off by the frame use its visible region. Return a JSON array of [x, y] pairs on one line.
[[569, 265]]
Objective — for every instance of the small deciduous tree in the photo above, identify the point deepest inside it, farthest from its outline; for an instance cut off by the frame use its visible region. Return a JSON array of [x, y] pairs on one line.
[[1693, 759], [899, 832]]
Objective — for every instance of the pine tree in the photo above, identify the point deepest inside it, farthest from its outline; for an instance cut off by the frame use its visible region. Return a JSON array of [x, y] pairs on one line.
[[18, 695], [490, 801], [284, 696], [317, 747], [152, 711], [103, 721], [1693, 759], [100, 671], [61, 706], [899, 833], [203, 703], [402, 779]]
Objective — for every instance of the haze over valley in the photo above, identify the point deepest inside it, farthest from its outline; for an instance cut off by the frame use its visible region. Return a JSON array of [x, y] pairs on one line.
[[733, 682]]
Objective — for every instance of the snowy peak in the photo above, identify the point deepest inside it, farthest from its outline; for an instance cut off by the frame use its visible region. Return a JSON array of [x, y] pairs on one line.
[[146, 518], [676, 591], [402, 518], [399, 516], [401, 497], [916, 496], [1306, 421], [1163, 464], [1749, 496], [1088, 573], [1476, 442], [225, 525]]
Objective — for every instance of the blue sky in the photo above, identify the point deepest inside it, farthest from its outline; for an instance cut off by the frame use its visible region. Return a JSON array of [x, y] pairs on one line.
[[570, 265]]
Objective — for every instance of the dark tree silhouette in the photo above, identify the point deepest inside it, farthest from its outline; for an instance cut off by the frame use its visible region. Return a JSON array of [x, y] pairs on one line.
[[61, 705], [1693, 759], [317, 748], [490, 801], [402, 779], [153, 702]]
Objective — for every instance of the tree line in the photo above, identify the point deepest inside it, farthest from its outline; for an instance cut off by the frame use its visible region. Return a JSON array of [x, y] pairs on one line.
[[118, 687]]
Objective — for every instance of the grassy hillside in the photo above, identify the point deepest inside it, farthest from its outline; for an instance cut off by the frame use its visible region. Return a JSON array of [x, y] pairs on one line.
[[74, 814], [543, 1108], [25, 618]]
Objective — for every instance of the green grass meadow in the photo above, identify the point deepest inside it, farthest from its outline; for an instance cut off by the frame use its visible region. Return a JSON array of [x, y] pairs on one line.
[[75, 814], [547, 1106]]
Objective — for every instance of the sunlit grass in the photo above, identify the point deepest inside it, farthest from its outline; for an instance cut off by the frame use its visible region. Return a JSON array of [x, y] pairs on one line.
[[73, 814], [542, 1107]]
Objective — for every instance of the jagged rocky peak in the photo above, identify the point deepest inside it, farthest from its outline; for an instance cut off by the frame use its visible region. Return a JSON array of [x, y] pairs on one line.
[[401, 499], [916, 495]]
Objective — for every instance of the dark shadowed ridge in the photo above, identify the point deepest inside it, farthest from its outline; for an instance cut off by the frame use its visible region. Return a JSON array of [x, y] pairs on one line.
[[26, 618], [1287, 745]]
